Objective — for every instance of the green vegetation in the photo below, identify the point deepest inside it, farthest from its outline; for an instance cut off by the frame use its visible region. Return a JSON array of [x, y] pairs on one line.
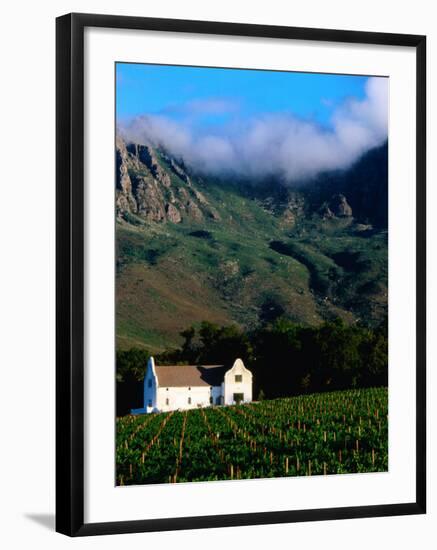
[[331, 433], [285, 358], [131, 365], [247, 268], [290, 281]]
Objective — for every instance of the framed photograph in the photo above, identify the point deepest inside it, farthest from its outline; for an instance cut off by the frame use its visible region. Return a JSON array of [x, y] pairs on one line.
[[240, 274]]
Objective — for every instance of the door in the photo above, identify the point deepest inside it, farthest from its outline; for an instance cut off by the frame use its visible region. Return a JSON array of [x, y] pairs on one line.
[[238, 398]]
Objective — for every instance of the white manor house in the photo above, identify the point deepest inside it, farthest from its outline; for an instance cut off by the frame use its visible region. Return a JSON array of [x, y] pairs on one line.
[[168, 388]]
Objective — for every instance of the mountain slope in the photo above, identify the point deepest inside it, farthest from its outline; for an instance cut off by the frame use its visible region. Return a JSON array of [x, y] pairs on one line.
[[193, 248], [364, 184]]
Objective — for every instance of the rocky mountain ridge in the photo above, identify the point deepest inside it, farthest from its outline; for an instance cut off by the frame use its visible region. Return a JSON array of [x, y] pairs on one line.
[[155, 187], [158, 188]]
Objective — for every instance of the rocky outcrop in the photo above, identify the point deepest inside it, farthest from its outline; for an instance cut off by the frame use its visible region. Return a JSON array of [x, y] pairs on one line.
[[149, 199], [155, 187], [336, 207], [146, 156], [125, 199], [179, 171], [364, 184], [340, 207], [172, 213], [325, 212], [294, 208]]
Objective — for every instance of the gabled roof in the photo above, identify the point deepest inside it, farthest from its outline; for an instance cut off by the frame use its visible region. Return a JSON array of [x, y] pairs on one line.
[[190, 375]]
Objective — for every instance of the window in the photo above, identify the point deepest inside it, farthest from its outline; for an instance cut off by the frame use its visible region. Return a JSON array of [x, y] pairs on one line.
[[218, 401], [238, 378], [150, 402], [189, 401], [149, 383], [167, 401]]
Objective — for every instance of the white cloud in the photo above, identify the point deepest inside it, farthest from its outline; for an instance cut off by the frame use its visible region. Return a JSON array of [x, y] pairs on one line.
[[272, 144]]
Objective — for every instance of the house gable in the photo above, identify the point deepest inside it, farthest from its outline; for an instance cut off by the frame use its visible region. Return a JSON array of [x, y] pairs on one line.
[[237, 385]]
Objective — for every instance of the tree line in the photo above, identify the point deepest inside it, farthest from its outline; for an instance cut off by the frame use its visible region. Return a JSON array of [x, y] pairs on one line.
[[285, 358]]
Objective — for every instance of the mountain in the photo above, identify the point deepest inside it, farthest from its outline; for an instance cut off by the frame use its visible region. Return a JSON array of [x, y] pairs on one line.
[[192, 248], [364, 184]]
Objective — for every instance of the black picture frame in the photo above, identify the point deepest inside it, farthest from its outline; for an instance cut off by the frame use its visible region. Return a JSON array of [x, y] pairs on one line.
[[70, 273]]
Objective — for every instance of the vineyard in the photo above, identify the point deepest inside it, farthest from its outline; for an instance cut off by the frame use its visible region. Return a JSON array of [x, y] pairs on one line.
[[320, 434]]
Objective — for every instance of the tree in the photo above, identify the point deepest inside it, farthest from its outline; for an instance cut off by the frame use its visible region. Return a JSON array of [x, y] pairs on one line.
[[188, 351], [216, 344], [339, 358], [131, 364], [261, 395], [130, 367]]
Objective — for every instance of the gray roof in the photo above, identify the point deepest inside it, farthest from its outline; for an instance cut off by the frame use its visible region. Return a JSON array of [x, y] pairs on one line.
[[190, 375]]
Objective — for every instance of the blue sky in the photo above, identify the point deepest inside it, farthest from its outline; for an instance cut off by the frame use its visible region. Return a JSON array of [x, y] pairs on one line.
[[250, 122], [160, 89]]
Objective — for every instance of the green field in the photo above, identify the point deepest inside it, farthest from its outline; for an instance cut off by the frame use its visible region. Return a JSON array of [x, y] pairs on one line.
[[318, 434]]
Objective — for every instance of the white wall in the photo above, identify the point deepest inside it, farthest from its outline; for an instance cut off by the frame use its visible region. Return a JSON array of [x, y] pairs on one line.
[[27, 274], [178, 397]]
